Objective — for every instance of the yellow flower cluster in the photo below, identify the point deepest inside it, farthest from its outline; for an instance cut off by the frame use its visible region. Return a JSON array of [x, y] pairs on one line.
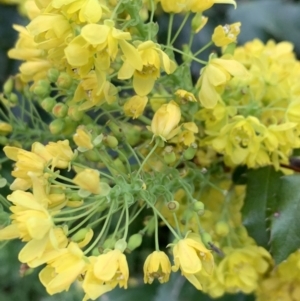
[[93, 66]]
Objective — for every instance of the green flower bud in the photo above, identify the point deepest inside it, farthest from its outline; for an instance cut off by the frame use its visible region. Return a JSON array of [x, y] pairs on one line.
[[42, 89], [230, 48], [60, 110], [206, 238], [109, 243], [132, 135], [121, 245], [110, 141], [80, 235], [199, 208], [48, 104], [169, 155], [53, 74], [173, 206], [8, 86], [73, 197], [116, 130], [3, 140], [95, 252], [64, 81], [189, 153], [75, 114], [222, 228], [57, 126], [134, 241], [92, 155], [119, 166], [13, 99]]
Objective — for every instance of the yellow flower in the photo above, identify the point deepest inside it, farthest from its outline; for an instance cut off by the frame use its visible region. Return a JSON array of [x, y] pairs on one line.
[[224, 35], [111, 268], [197, 6], [89, 180], [25, 162], [153, 60], [157, 265], [240, 141], [134, 107], [185, 96], [190, 255], [214, 77], [174, 6], [165, 121], [186, 134], [92, 286], [61, 152], [83, 139], [242, 269], [61, 272]]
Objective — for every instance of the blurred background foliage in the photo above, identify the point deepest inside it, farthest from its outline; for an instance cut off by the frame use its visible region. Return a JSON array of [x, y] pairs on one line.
[[263, 19]]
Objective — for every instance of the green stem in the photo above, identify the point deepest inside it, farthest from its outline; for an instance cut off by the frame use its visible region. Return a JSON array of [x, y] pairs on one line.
[[180, 28], [156, 232], [151, 17], [147, 158], [126, 222], [203, 48], [187, 55], [119, 222], [170, 26], [108, 218]]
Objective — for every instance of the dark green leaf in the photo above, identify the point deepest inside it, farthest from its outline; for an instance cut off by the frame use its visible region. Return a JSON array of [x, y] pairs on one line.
[[262, 185], [285, 225]]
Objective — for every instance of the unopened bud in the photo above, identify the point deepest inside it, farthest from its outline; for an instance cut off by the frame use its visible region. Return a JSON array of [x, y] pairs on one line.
[[116, 130], [70, 126], [173, 206], [13, 99], [199, 208], [110, 141], [64, 80], [109, 243], [80, 235], [206, 238], [52, 75], [198, 22], [169, 158], [118, 165], [57, 126], [222, 228], [48, 103], [75, 114], [8, 86], [60, 110], [134, 241], [121, 245], [5, 128], [42, 89], [92, 155], [189, 153]]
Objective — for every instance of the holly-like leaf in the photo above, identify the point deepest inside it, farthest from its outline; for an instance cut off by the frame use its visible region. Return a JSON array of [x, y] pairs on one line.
[[262, 185], [285, 224]]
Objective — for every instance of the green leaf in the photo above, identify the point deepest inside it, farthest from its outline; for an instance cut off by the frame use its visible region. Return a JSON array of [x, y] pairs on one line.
[[262, 185], [285, 224]]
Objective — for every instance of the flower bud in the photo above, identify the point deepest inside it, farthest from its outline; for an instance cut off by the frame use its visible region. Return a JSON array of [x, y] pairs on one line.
[[165, 121], [206, 238], [169, 155], [74, 113], [53, 74], [92, 155], [116, 130], [222, 228], [60, 110], [57, 126], [3, 140], [42, 89], [121, 245], [89, 180], [198, 22], [13, 99], [83, 139], [134, 241], [8, 86], [80, 235], [64, 80], [132, 134], [69, 127], [119, 166], [109, 243], [48, 103], [5, 128], [189, 153], [173, 206], [134, 107], [110, 141], [198, 207]]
